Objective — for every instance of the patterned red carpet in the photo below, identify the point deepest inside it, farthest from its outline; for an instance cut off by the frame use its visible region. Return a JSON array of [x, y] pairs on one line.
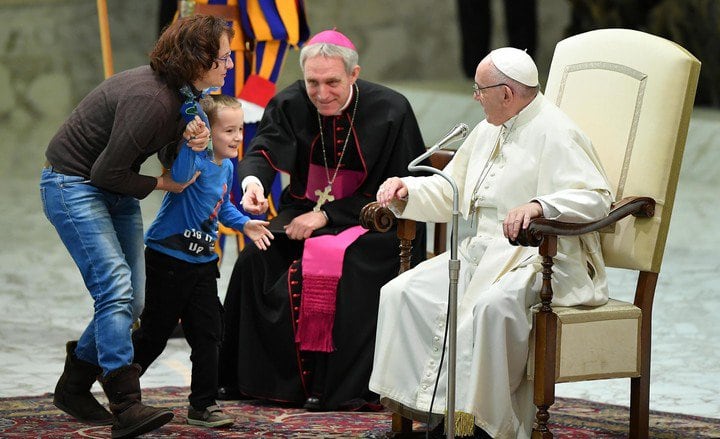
[[36, 417]]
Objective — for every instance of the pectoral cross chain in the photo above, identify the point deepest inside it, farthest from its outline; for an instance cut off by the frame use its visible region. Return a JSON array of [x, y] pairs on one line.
[[323, 197]]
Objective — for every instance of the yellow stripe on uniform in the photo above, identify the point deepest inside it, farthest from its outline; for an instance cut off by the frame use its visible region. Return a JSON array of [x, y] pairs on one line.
[[270, 56], [288, 11], [258, 22]]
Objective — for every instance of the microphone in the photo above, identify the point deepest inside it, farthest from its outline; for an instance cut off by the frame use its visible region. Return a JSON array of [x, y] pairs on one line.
[[458, 132]]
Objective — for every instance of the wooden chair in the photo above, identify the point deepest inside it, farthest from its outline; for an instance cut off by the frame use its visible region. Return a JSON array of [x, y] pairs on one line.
[[633, 94]]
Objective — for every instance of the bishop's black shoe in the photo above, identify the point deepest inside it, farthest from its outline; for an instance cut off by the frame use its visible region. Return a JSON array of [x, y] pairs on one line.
[[313, 404]]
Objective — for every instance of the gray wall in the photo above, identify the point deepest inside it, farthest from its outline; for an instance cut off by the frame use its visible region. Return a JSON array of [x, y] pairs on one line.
[[50, 55], [419, 40], [49, 59]]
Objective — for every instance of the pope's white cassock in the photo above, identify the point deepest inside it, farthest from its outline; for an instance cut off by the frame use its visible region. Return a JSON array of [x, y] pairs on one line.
[[541, 155]]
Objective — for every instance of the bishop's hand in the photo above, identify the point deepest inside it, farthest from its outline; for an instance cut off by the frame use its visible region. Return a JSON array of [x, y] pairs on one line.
[[302, 226], [253, 200]]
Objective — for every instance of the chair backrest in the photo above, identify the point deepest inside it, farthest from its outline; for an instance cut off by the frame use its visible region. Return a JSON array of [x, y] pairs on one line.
[[632, 93]]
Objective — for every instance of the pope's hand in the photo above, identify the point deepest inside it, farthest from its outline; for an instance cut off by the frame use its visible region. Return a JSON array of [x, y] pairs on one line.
[[520, 217], [392, 188]]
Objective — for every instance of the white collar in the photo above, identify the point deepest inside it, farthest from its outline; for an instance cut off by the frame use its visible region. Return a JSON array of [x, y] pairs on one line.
[[349, 99]]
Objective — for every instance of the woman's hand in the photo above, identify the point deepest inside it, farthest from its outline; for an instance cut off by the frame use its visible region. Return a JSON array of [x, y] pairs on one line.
[[166, 183]]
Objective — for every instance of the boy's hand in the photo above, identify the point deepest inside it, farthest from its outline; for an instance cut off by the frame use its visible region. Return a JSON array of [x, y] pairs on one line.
[[197, 134], [256, 230]]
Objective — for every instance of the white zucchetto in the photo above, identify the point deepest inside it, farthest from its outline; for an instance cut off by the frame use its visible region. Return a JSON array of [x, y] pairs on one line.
[[515, 64]]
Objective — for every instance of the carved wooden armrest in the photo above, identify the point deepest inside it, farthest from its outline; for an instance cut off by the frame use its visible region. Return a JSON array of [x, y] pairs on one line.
[[642, 207], [376, 218]]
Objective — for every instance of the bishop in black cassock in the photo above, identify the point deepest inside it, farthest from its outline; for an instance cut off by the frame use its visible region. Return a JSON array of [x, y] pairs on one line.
[[374, 137]]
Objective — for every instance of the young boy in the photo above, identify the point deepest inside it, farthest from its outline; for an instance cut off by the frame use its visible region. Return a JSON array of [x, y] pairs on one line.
[[181, 263]]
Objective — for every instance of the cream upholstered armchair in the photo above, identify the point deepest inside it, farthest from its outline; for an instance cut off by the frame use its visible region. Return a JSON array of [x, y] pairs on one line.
[[633, 94]]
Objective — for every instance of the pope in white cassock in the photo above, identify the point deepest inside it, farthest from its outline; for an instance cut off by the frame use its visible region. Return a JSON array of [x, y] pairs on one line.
[[526, 159]]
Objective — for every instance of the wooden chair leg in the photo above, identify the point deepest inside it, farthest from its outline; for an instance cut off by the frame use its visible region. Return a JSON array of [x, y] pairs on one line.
[[406, 234], [545, 345], [639, 407], [401, 426], [640, 396], [544, 385], [640, 386]]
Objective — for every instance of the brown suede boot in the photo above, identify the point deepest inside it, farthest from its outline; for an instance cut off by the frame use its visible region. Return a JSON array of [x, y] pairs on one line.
[[72, 392], [130, 416]]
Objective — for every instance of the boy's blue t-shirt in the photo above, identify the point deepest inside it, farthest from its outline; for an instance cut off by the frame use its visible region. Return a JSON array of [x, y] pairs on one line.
[[186, 226]]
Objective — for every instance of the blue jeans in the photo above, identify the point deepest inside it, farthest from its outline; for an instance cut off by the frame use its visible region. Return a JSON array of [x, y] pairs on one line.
[[103, 232]]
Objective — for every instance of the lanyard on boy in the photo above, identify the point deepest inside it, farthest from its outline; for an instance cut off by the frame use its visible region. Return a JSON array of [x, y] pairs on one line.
[[191, 107]]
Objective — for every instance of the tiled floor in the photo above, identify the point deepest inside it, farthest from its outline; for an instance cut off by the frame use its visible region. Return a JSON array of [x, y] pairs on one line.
[[44, 302]]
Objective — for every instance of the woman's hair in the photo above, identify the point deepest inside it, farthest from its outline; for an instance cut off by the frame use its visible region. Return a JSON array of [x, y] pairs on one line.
[[211, 105], [349, 56], [188, 47]]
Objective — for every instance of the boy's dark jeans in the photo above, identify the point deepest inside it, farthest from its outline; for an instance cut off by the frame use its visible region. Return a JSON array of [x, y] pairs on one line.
[[178, 290]]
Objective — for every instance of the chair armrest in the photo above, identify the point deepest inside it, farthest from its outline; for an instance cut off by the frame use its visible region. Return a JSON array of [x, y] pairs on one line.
[[376, 218], [642, 207]]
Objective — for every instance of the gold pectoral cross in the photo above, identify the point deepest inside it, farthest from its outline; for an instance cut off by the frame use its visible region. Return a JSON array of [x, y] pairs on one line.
[[323, 197]]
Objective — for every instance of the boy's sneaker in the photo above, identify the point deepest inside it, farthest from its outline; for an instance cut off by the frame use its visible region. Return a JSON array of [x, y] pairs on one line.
[[212, 416]]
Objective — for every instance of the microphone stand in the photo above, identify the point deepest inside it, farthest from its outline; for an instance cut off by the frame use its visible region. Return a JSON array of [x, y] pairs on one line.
[[453, 272]]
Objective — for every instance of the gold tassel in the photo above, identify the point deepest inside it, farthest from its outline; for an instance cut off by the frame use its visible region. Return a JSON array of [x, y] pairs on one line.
[[464, 424]]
